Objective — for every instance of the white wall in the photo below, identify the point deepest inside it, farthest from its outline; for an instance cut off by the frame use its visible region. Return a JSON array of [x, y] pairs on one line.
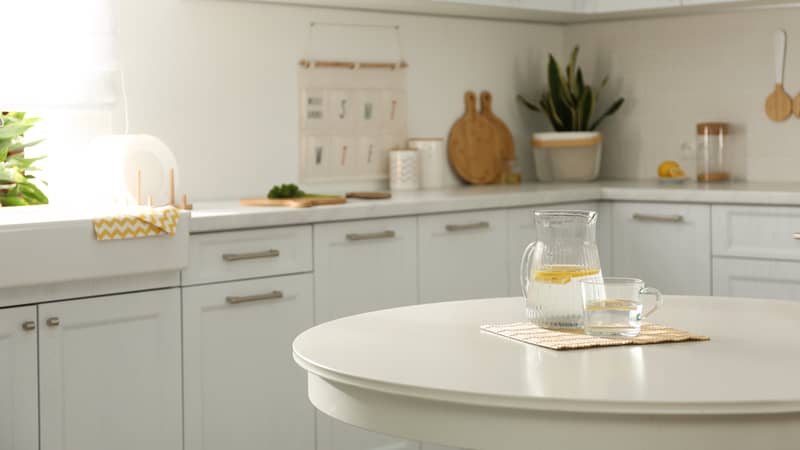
[[217, 81], [675, 72]]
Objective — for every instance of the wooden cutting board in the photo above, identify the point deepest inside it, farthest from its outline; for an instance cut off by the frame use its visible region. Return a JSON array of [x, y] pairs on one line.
[[301, 202], [504, 139], [473, 146]]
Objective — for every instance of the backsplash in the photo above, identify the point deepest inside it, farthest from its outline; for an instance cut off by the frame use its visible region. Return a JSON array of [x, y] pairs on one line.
[[675, 72], [217, 81]]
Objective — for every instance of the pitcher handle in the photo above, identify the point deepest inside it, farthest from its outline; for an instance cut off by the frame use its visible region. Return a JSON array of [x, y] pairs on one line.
[[525, 268], [659, 300]]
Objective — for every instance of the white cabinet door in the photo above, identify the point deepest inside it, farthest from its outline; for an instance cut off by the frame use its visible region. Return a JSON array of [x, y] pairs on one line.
[[242, 389], [522, 231], [362, 266], [110, 372], [463, 256], [757, 278], [365, 265], [19, 416], [665, 244]]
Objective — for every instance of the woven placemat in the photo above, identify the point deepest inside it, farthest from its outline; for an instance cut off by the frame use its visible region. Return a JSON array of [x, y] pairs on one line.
[[574, 339]]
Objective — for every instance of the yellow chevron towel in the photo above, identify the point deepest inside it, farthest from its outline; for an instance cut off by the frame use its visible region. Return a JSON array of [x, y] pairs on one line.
[[143, 223]]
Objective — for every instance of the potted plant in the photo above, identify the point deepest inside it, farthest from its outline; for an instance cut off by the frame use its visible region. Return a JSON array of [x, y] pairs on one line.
[[17, 186], [573, 151]]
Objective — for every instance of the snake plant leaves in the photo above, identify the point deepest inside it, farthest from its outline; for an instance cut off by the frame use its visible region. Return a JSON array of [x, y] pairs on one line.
[[611, 110], [570, 103]]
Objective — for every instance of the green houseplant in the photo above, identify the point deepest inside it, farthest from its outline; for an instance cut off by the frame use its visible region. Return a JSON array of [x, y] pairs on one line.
[[17, 186], [573, 151]]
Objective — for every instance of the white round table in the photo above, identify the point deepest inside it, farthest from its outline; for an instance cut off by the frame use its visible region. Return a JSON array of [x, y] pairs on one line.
[[428, 373]]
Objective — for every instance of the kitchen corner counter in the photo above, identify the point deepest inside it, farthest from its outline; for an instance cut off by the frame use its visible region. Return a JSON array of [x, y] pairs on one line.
[[229, 215]]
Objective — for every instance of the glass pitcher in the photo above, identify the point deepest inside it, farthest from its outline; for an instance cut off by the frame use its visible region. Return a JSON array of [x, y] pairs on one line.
[[553, 267]]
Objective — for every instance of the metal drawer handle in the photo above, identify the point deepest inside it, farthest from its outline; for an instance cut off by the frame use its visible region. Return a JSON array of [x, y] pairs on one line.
[[53, 322], [272, 253], [388, 234], [467, 226], [658, 217], [28, 325], [796, 236], [274, 295]]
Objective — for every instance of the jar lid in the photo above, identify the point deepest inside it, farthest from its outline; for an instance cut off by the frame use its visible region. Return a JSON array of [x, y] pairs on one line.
[[712, 127]]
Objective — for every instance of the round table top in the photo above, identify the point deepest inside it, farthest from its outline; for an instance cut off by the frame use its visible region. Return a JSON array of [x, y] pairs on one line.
[[436, 351]]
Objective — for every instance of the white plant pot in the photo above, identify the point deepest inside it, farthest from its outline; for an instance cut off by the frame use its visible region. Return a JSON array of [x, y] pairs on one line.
[[567, 155]]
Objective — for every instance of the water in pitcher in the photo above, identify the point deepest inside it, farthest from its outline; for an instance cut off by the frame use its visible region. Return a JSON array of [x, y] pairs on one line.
[[554, 295]]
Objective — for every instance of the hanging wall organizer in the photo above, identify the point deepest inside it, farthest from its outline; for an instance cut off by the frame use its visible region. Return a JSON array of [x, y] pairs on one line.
[[351, 114]]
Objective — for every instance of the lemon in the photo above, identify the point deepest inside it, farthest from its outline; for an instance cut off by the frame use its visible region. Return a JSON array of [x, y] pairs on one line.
[[676, 172], [665, 167]]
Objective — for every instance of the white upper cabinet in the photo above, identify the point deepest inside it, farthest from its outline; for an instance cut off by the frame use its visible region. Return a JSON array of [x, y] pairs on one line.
[[110, 372], [463, 256], [555, 11], [19, 415], [665, 244]]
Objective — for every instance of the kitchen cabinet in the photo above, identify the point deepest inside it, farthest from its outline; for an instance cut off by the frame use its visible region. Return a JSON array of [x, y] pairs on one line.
[[522, 231], [19, 413], [242, 389], [364, 265], [463, 255], [110, 372], [552, 11], [766, 232], [735, 277], [665, 244]]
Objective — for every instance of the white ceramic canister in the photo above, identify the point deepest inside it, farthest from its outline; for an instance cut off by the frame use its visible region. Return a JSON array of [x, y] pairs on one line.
[[404, 169], [435, 171]]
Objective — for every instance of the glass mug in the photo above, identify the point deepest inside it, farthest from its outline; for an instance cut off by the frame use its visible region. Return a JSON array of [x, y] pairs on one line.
[[613, 307]]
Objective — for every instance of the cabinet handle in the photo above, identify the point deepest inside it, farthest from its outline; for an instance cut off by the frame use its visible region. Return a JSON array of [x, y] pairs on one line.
[[272, 253], [658, 217], [53, 322], [388, 234], [274, 295], [796, 236], [467, 226], [28, 325]]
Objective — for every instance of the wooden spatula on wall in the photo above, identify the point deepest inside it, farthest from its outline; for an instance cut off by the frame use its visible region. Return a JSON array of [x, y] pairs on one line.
[[779, 104]]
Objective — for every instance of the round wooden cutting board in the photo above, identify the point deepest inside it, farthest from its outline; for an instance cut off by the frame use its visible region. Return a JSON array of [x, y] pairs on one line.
[[473, 146], [504, 139]]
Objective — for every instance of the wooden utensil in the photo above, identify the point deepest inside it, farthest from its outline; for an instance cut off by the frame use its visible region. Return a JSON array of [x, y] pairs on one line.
[[472, 146], [779, 104], [369, 195], [504, 138], [300, 202]]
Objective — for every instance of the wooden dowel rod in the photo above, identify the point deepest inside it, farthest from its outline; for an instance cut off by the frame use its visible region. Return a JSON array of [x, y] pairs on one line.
[[138, 187], [172, 186], [353, 64]]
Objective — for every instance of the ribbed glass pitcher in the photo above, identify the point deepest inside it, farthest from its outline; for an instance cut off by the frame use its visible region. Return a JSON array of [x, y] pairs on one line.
[[553, 267]]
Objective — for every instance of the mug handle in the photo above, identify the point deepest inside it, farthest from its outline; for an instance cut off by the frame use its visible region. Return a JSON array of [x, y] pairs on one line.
[[525, 268], [659, 300]]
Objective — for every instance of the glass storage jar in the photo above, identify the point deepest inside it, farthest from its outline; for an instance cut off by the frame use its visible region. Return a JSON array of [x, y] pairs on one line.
[[713, 152]]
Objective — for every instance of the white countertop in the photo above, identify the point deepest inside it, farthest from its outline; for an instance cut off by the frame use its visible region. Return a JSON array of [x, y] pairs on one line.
[[229, 215]]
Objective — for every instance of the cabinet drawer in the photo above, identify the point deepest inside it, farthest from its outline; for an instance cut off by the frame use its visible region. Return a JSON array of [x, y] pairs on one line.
[[665, 244], [463, 255], [735, 277], [756, 232], [364, 265], [237, 255]]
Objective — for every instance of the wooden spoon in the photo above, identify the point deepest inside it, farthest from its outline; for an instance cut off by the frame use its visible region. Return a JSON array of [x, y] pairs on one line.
[[779, 104]]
